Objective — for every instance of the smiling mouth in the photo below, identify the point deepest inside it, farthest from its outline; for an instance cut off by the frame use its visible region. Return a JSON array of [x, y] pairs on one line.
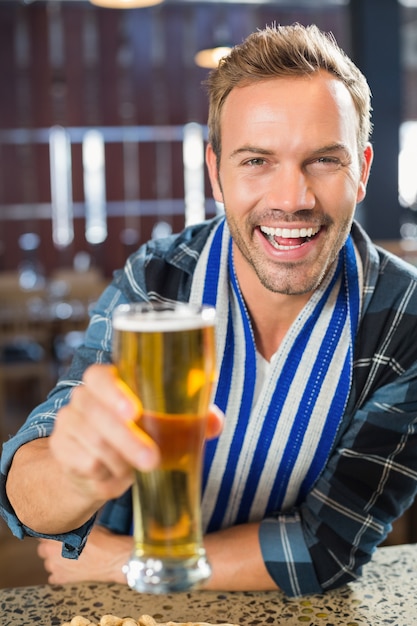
[[288, 238]]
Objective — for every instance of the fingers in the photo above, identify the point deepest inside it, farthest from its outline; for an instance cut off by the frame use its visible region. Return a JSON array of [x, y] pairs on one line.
[[111, 435], [214, 422], [59, 570], [41, 548], [108, 389], [48, 550], [95, 439], [104, 385]]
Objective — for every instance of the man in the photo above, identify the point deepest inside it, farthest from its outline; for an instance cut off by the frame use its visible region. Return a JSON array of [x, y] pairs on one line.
[[317, 345]]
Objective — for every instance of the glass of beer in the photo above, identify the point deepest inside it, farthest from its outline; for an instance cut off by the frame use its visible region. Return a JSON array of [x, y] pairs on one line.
[[165, 353]]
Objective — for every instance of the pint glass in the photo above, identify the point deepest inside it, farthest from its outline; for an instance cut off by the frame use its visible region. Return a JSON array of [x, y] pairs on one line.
[[166, 354]]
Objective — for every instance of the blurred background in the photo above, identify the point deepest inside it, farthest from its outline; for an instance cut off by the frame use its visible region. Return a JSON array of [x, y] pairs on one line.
[[102, 132]]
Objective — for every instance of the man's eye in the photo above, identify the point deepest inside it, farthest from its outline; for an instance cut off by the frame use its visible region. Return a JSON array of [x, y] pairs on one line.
[[324, 164], [328, 161], [256, 162]]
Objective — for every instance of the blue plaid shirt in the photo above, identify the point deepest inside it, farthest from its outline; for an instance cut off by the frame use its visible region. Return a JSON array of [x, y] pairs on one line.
[[371, 476]]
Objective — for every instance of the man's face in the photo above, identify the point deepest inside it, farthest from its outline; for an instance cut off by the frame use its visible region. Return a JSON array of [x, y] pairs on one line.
[[289, 177]]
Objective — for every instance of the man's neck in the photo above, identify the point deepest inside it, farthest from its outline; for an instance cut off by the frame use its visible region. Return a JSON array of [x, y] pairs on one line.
[[271, 314]]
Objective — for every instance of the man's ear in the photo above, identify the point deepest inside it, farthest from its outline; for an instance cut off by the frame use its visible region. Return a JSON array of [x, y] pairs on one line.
[[213, 171], [367, 158]]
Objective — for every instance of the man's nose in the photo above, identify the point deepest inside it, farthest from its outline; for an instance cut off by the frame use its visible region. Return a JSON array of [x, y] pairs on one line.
[[290, 189]]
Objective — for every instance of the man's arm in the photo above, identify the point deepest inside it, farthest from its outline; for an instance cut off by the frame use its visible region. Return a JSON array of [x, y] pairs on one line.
[[369, 481], [56, 484], [236, 560], [106, 553], [44, 510]]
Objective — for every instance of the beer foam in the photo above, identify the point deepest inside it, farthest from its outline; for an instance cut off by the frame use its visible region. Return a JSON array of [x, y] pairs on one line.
[[163, 321]]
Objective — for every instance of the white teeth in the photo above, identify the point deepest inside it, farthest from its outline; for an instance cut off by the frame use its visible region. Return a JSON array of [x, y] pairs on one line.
[[289, 233]]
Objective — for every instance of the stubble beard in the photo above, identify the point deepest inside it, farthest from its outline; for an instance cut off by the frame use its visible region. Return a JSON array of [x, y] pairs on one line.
[[292, 279]]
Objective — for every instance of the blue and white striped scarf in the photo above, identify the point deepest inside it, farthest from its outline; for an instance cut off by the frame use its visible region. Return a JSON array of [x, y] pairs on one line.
[[274, 447]]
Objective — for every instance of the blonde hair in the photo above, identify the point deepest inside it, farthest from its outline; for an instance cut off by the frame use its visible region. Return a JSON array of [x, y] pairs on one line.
[[279, 51]]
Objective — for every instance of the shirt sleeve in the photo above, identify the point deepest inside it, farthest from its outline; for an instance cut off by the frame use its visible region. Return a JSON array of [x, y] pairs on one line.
[[368, 482]]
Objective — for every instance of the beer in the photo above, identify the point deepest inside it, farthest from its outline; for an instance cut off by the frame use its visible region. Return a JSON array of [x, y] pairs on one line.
[[167, 524], [166, 355]]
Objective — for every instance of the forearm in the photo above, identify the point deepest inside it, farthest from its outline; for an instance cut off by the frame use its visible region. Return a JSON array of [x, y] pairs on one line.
[[236, 560], [43, 497]]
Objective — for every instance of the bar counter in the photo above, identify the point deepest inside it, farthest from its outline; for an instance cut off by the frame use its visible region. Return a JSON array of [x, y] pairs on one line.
[[385, 594]]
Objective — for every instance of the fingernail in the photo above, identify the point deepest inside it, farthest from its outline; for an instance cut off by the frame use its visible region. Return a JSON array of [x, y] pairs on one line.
[[125, 407], [148, 459], [127, 404]]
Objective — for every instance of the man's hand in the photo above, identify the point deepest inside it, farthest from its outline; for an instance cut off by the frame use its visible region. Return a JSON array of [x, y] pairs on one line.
[[56, 484], [95, 440], [102, 559]]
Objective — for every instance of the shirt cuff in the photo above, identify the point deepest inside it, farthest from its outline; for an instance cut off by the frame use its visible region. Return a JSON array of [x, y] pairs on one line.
[[286, 555], [72, 542]]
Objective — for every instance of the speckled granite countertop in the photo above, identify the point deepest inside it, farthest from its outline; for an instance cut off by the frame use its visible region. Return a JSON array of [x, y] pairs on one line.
[[385, 594]]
